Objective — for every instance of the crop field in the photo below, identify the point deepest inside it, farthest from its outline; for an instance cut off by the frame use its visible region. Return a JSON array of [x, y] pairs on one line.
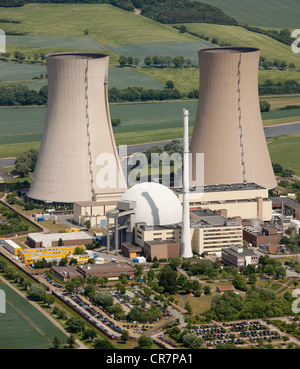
[[285, 151], [237, 36], [84, 43], [21, 128], [266, 13], [118, 77], [107, 24], [23, 326], [20, 72]]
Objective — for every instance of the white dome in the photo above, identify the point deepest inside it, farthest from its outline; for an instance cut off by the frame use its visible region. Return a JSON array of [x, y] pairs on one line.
[[156, 204]]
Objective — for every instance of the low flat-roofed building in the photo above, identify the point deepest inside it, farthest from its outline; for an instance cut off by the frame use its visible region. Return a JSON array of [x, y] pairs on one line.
[[239, 257], [110, 270], [286, 203], [222, 289], [11, 246], [37, 240], [65, 272], [263, 234], [50, 253], [94, 211], [245, 200], [161, 249], [130, 250]]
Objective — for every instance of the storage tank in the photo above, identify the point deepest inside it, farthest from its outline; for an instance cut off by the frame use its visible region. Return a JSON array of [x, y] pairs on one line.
[[77, 130], [228, 126]]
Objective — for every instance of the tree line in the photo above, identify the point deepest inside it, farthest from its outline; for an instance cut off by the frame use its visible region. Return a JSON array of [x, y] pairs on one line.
[[156, 61], [14, 95]]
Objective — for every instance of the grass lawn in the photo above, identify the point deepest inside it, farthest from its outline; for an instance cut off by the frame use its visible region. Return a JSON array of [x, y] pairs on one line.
[[285, 151], [267, 13]]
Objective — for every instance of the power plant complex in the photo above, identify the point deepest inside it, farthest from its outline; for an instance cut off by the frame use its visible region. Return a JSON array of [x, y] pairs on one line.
[[149, 218]]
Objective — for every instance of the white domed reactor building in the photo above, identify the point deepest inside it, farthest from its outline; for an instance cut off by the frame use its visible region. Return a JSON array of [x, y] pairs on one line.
[[156, 205], [145, 206]]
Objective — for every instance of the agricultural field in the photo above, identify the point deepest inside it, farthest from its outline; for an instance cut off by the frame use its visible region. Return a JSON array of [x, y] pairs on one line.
[[266, 13], [74, 20], [285, 151], [237, 36], [140, 123], [23, 326]]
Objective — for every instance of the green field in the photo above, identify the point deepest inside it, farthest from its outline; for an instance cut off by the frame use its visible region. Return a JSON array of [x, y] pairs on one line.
[[237, 36], [118, 77], [285, 151], [266, 13], [84, 43], [23, 326], [107, 24], [21, 128]]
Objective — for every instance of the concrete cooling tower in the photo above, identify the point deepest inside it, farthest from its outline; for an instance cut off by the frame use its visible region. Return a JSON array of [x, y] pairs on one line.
[[77, 130], [228, 126]]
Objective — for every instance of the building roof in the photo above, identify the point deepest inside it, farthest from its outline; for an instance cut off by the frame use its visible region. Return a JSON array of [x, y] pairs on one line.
[[224, 187], [106, 268], [245, 252], [95, 203], [39, 237], [286, 201]]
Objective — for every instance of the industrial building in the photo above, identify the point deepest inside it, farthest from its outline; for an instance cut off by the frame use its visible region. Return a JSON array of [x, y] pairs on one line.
[[94, 211], [39, 240], [286, 206], [51, 253], [239, 257], [265, 236], [111, 270], [244, 200], [211, 232], [12, 247], [77, 136], [228, 126]]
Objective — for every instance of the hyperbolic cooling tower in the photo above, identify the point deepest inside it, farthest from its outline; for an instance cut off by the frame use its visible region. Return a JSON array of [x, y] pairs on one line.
[[77, 129], [228, 126]]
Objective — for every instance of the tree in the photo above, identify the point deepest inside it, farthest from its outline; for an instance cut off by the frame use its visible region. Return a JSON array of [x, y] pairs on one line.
[[37, 292], [264, 106], [75, 325], [49, 299], [104, 299], [103, 344], [182, 29], [123, 60], [56, 342], [170, 84], [168, 279], [71, 341], [148, 61], [145, 342], [87, 224], [124, 335]]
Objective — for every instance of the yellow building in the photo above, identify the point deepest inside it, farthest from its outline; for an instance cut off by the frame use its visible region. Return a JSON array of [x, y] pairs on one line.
[[32, 255]]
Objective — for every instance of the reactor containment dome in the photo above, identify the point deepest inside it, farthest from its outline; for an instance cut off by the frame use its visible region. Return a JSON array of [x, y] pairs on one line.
[[156, 204], [77, 132]]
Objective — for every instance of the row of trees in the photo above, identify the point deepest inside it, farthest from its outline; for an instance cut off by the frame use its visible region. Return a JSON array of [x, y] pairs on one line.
[[21, 57], [19, 95], [275, 64], [271, 88], [156, 61]]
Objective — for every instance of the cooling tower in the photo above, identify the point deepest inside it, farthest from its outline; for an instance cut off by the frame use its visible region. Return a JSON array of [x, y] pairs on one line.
[[228, 126], [77, 130]]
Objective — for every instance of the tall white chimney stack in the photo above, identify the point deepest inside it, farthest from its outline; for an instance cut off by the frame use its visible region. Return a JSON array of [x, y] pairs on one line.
[[186, 246]]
